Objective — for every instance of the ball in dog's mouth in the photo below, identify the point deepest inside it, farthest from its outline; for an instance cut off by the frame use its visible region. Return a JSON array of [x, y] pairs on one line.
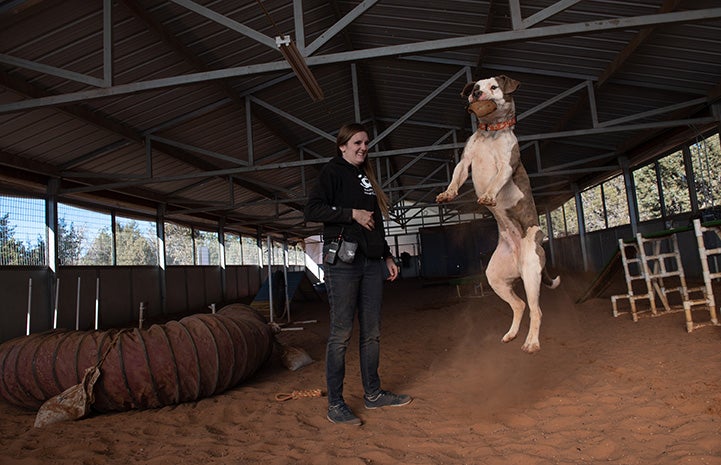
[[482, 108]]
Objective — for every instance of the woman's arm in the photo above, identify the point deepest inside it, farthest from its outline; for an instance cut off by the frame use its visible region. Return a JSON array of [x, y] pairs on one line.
[[322, 206]]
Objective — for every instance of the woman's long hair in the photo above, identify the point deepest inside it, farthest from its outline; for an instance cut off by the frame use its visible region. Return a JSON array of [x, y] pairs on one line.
[[344, 135]]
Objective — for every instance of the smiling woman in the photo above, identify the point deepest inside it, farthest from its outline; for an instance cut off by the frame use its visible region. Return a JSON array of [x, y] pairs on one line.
[[349, 202]]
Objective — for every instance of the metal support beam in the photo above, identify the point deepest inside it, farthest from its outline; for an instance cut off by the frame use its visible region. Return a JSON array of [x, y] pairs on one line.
[[707, 14], [227, 22], [107, 43], [581, 227], [630, 194]]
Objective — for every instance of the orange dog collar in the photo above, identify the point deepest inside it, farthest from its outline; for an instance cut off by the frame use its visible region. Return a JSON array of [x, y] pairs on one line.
[[497, 126]]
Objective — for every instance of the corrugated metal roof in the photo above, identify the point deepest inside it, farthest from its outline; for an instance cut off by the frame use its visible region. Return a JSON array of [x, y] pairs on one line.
[[185, 85]]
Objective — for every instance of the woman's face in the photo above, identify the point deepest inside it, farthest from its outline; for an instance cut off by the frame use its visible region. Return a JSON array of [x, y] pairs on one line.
[[356, 149]]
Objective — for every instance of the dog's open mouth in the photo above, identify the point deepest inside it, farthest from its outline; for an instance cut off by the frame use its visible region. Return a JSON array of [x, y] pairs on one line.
[[481, 108]]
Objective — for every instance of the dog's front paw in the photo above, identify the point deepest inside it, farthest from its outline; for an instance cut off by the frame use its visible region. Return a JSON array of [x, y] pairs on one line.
[[487, 200], [446, 196], [531, 347], [510, 335]]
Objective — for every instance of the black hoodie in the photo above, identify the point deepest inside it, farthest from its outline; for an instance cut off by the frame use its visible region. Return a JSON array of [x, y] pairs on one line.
[[341, 188]]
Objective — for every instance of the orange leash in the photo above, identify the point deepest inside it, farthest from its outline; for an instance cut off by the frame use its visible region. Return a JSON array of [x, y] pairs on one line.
[[303, 394]]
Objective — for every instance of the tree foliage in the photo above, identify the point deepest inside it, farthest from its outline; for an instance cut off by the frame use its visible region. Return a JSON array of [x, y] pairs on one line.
[[178, 245], [674, 184], [134, 248], [616, 201], [13, 251], [251, 252], [90, 243], [661, 189], [100, 251], [706, 161], [593, 212], [233, 249], [16, 252], [647, 196], [207, 248], [70, 241]]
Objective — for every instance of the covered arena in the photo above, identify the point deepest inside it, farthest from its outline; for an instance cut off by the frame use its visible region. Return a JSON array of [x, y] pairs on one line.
[[156, 157]]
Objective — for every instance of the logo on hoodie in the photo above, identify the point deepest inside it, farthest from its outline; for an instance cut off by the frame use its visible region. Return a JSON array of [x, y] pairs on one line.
[[366, 184]]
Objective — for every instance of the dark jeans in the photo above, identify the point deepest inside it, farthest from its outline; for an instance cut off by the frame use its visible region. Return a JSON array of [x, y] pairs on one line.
[[357, 286]]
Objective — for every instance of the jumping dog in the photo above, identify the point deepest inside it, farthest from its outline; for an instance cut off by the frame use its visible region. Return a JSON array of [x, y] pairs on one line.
[[502, 185]]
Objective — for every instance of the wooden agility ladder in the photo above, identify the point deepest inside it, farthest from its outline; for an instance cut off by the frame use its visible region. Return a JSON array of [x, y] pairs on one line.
[[706, 253], [633, 271], [651, 260]]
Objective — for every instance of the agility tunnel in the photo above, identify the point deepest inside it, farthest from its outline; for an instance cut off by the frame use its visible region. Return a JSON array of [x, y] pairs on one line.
[[179, 361]]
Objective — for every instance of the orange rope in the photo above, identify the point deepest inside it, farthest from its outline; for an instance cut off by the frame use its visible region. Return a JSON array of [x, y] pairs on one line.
[[303, 394]]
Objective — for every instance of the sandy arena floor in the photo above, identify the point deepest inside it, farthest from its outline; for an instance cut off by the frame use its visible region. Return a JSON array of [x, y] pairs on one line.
[[601, 390]]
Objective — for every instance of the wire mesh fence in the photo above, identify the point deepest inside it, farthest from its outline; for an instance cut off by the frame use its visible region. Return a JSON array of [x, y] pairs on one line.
[[23, 234]]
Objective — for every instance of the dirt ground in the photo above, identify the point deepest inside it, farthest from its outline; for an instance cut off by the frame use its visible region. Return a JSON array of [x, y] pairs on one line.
[[601, 390]]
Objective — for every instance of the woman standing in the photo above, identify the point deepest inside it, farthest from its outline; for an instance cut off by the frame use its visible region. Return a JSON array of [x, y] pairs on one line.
[[349, 202]]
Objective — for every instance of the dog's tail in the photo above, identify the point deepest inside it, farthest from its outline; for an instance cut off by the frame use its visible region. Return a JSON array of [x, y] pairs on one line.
[[548, 281]]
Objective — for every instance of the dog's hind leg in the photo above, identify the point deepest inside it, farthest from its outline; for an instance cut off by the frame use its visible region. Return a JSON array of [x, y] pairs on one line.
[[501, 273], [533, 259], [532, 285]]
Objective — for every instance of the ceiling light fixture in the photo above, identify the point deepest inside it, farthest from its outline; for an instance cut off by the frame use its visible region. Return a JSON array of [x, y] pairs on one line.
[[296, 61]]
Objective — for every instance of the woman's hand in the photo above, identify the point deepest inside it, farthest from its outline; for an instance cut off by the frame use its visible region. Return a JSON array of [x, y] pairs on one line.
[[364, 218], [392, 269]]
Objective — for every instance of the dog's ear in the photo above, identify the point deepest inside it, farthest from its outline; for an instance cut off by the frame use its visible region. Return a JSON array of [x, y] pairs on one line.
[[467, 89], [507, 84]]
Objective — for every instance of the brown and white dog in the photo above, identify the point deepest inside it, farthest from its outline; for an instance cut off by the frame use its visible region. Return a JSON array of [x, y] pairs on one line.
[[502, 185]]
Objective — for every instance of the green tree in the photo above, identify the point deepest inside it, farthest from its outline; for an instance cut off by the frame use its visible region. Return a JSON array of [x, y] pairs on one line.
[[233, 252], [251, 254], [100, 251], [593, 212], [178, 245], [673, 183], [37, 255], [70, 241], [132, 247], [614, 192], [557, 221], [12, 251], [649, 203], [571, 216], [706, 160]]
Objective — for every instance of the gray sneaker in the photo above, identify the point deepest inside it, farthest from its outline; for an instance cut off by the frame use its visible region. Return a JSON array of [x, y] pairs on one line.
[[387, 399], [342, 414]]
